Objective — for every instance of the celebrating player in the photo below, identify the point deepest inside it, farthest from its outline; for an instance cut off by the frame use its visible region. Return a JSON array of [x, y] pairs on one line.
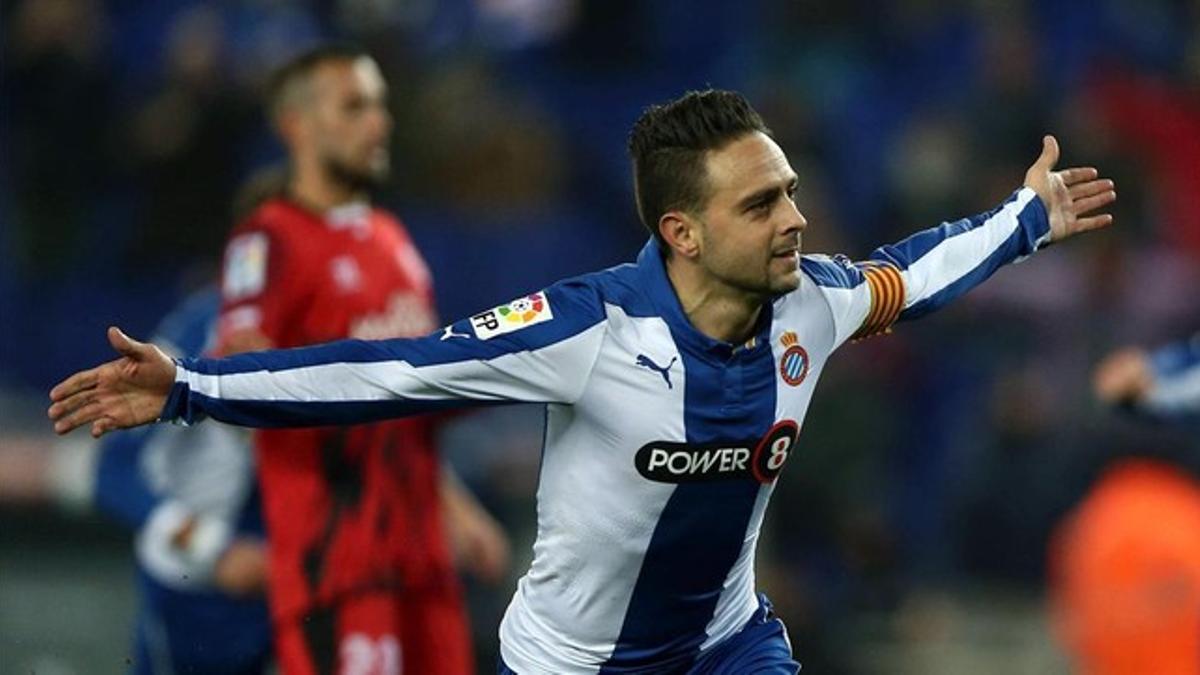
[[675, 387]]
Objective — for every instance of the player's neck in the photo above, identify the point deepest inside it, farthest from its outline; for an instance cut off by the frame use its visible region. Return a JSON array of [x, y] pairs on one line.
[[714, 308], [319, 193]]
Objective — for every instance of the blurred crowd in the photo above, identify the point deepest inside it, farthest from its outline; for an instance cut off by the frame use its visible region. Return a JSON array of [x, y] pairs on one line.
[[937, 459]]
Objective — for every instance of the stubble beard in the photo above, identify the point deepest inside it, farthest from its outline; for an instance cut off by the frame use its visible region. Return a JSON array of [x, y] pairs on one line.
[[355, 179]]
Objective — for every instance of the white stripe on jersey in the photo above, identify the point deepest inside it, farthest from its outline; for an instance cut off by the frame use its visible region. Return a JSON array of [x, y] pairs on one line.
[[593, 529], [959, 255]]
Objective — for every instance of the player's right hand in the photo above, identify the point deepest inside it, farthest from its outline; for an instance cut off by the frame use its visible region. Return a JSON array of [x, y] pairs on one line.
[[127, 392], [1124, 376]]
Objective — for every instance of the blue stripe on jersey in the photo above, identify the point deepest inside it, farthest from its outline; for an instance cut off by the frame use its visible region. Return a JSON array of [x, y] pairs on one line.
[[702, 529], [579, 308], [915, 247], [283, 414], [574, 302], [836, 272], [1023, 240]]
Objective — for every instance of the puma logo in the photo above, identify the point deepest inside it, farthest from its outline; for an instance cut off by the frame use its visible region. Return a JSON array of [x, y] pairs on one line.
[[645, 362], [448, 332]]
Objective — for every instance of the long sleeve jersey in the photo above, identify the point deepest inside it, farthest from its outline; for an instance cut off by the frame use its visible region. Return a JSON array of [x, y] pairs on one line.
[[662, 445]]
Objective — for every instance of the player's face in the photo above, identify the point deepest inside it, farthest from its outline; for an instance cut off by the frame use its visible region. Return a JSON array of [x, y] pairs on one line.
[[750, 229], [350, 122]]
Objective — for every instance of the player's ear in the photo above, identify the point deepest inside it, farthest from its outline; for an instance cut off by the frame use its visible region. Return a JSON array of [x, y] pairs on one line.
[[681, 232]]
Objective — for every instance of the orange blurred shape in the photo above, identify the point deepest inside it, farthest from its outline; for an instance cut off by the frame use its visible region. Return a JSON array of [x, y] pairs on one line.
[[1125, 573]]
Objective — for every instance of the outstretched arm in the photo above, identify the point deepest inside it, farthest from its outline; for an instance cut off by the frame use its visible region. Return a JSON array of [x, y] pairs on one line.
[[933, 267], [535, 349]]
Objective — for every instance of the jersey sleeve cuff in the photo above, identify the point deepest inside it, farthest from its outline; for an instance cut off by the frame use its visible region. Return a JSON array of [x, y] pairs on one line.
[[179, 408], [1035, 220]]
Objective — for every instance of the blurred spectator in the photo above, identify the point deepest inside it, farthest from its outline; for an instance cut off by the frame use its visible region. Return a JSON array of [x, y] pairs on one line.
[[185, 141], [55, 79], [1126, 573]]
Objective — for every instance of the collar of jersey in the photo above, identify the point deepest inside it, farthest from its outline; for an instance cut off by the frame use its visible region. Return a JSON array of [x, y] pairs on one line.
[[657, 285]]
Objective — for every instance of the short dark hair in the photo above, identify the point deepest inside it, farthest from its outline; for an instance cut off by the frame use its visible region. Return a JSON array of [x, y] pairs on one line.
[[668, 145], [287, 79]]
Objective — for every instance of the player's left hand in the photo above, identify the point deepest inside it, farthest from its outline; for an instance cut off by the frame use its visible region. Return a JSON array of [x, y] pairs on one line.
[[1069, 195]]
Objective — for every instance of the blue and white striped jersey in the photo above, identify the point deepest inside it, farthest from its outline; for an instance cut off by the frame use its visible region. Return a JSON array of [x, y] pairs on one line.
[[661, 444], [1176, 390]]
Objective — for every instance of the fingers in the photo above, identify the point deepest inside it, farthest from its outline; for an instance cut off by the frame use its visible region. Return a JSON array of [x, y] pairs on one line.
[[83, 380], [1093, 222], [1089, 204], [103, 426], [1079, 174], [1079, 190], [89, 410], [70, 404]]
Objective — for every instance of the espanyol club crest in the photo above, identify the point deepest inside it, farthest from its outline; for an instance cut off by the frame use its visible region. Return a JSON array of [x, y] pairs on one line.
[[793, 365]]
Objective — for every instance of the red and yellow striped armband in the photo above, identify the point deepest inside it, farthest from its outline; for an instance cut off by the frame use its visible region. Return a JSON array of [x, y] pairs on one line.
[[887, 298]]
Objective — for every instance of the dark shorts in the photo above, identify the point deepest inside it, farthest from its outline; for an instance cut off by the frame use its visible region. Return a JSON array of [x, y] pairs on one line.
[[760, 648]]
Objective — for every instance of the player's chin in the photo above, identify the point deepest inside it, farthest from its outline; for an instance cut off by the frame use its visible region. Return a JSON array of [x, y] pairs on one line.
[[377, 170], [785, 282], [784, 274]]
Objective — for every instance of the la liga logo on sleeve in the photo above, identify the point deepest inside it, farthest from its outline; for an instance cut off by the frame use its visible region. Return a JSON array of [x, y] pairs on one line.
[[520, 313], [245, 266]]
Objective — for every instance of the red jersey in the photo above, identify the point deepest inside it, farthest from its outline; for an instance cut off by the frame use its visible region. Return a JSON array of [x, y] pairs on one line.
[[347, 509]]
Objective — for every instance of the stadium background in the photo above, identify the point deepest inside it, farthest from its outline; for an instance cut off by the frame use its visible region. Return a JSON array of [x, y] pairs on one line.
[[910, 533]]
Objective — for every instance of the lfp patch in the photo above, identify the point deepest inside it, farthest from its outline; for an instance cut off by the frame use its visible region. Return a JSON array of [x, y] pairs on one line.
[[793, 365], [518, 314], [245, 266]]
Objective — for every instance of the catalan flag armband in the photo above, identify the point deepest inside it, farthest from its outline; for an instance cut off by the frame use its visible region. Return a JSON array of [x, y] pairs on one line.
[[887, 298]]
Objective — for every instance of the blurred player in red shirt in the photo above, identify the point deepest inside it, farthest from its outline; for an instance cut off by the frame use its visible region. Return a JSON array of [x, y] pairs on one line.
[[361, 576]]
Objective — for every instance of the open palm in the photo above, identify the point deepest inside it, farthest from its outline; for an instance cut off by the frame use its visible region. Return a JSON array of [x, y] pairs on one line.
[[127, 392], [1071, 196]]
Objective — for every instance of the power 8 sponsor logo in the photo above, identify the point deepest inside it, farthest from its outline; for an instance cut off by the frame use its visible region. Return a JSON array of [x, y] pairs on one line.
[[760, 460]]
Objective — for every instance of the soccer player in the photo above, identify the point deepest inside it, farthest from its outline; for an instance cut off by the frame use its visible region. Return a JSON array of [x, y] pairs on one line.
[[1164, 382], [675, 387]]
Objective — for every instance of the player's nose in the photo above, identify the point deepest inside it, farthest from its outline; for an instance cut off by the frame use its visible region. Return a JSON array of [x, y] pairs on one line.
[[794, 221]]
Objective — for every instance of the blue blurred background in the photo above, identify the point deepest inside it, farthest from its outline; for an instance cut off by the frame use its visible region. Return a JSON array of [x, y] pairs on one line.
[[911, 534]]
